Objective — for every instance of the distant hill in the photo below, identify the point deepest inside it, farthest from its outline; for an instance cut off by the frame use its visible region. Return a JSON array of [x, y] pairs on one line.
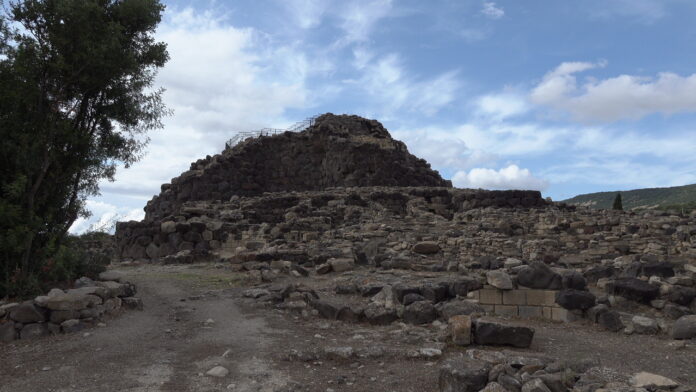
[[677, 197]]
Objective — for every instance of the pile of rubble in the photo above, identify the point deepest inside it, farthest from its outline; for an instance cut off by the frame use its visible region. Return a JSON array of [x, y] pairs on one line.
[[68, 311], [495, 371]]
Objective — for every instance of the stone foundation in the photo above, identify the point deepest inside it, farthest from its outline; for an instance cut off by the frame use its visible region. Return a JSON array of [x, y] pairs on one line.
[[523, 303]]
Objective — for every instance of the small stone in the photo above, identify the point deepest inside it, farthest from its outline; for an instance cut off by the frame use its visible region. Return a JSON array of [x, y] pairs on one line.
[[644, 325], [426, 247], [652, 381], [218, 372], [535, 385]]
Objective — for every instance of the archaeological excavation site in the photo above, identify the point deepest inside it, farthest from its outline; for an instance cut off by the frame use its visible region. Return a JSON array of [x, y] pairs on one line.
[[328, 258]]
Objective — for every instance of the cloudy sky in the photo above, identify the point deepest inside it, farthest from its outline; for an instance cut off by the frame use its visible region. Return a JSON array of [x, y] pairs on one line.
[[562, 96]]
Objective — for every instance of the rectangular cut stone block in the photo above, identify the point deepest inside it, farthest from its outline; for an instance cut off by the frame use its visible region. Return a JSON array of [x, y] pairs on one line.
[[560, 314], [488, 308], [506, 310], [514, 297], [546, 312], [530, 312], [541, 297], [475, 295], [460, 329], [490, 297]]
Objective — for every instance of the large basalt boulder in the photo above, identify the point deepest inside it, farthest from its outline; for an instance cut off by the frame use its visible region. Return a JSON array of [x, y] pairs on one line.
[[572, 299], [497, 334], [538, 275], [634, 289], [421, 312]]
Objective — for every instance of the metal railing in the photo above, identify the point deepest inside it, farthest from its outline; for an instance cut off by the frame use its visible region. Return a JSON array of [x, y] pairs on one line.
[[297, 127]]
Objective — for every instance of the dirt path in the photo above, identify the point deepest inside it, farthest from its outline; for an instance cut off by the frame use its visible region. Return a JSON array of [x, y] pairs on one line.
[[195, 319], [167, 347]]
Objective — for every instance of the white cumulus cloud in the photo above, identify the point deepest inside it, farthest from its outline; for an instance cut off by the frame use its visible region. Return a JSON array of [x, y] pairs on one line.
[[492, 11], [510, 177], [617, 98]]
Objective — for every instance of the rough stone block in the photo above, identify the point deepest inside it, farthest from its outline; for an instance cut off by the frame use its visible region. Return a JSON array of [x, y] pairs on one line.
[[506, 310], [564, 315], [490, 297], [547, 312], [514, 297], [460, 329], [530, 311]]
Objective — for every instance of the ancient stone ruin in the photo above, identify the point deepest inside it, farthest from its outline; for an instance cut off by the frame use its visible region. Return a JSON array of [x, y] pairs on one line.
[[339, 221]]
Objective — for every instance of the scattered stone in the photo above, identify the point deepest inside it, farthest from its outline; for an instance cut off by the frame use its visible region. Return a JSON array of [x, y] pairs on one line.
[[685, 328], [218, 372]]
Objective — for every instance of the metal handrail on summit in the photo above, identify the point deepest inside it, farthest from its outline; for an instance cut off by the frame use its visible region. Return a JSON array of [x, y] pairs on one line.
[[297, 127]]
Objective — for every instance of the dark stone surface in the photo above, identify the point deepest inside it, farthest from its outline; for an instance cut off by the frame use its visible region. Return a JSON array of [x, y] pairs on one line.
[[575, 299], [27, 313], [379, 315], [610, 320], [662, 269], [497, 334], [457, 307], [633, 289], [682, 295], [421, 312], [685, 328], [538, 275]]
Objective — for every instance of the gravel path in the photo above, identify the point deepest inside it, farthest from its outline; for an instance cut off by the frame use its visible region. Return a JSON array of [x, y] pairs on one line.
[[167, 347], [194, 320]]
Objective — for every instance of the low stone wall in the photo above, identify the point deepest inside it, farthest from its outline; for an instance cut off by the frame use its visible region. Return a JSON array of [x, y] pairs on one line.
[[523, 303], [68, 311]]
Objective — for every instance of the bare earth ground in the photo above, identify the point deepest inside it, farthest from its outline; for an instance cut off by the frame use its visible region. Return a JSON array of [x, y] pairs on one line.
[[195, 319]]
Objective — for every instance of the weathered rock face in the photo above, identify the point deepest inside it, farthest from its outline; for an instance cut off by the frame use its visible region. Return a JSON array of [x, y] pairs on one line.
[[337, 151]]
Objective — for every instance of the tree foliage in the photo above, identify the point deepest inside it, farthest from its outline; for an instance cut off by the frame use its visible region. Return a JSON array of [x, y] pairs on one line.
[[77, 100], [618, 204]]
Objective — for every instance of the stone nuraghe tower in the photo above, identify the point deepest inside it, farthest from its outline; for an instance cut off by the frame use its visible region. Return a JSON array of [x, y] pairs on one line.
[[337, 151]]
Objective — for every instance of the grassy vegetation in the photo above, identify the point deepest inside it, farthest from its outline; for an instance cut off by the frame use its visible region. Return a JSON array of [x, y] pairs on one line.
[[679, 197]]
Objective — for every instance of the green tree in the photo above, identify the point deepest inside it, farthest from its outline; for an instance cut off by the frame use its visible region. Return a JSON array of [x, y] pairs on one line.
[[618, 205], [77, 100]]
